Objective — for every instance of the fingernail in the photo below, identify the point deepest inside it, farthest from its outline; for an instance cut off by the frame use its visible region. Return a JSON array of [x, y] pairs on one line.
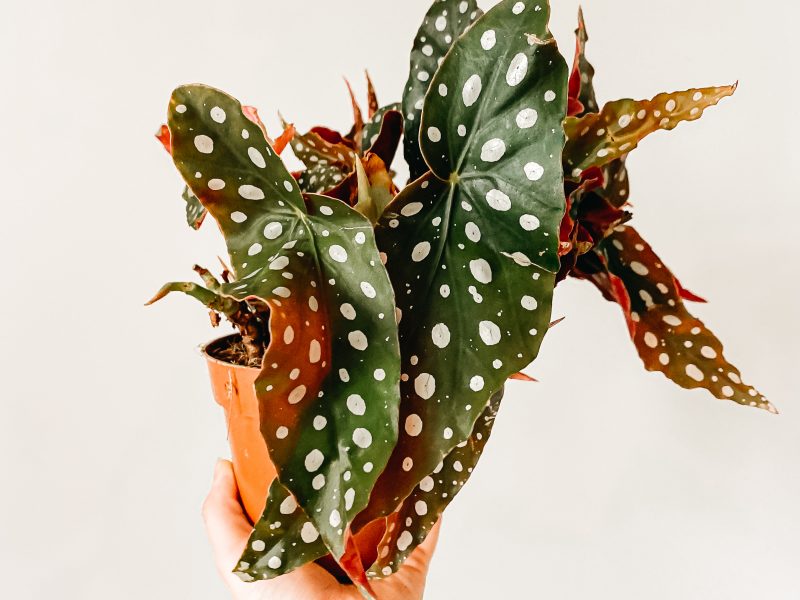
[[218, 469]]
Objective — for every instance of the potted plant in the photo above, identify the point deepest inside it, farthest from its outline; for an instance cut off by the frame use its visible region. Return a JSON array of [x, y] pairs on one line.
[[377, 323]]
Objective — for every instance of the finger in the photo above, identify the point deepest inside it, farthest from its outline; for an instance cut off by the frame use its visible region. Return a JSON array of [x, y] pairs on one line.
[[419, 560], [228, 528], [428, 546]]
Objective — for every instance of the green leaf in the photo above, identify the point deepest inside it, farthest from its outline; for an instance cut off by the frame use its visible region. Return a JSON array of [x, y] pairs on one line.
[[408, 527], [221, 304], [597, 139], [472, 248], [583, 100], [327, 163], [669, 339], [328, 387], [195, 211], [444, 23], [282, 541], [373, 127], [330, 162]]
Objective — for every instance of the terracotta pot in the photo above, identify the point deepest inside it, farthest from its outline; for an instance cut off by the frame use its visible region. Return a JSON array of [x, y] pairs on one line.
[[234, 390]]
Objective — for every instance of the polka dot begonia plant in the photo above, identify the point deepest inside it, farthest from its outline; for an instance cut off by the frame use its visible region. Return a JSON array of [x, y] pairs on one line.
[[385, 320]]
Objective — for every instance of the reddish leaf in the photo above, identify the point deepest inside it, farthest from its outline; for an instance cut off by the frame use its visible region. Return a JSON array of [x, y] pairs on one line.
[[339, 179], [581, 81], [523, 377], [597, 139], [688, 295], [390, 130], [616, 186], [284, 139], [331, 136], [327, 162], [410, 524], [585, 221], [594, 267], [251, 112], [669, 339], [163, 136], [372, 97], [358, 119]]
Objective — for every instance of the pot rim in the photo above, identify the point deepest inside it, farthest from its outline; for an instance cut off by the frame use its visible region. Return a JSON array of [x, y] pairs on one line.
[[204, 350]]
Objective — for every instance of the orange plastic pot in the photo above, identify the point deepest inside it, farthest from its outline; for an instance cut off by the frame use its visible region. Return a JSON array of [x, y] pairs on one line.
[[234, 390]]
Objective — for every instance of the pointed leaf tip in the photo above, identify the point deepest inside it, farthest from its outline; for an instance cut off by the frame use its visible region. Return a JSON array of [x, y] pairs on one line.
[[669, 339], [444, 23], [597, 139]]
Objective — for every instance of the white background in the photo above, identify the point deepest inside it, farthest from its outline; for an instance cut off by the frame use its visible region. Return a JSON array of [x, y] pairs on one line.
[[601, 482]]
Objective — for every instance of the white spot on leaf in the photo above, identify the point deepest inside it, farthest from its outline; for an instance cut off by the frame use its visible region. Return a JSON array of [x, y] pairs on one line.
[[217, 114], [481, 270], [251, 192], [338, 253], [472, 90], [413, 425], [498, 200], [204, 144], [517, 70], [493, 150], [534, 171], [358, 340], [527, 118], [256, 157], [489, 332], [314, 460], [273, 230], [488, 39], [440, 335]]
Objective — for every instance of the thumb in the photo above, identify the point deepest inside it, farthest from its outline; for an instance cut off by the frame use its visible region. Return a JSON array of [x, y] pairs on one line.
[[227, 527], [422, 555]]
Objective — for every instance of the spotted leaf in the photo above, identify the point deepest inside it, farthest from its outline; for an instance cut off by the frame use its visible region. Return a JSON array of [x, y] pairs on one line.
[[328, 160], [472, 247], [409, 526], [374, 126], [615, 188], [616, 184], [282, 541], [445, 22], [195, 211], [669, 339], [581, 81], [373, 105], [356, 133], [328, 387], [375, 162], [597, 139]]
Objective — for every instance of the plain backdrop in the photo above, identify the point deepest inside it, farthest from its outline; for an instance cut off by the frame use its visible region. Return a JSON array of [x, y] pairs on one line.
[[602, 481]]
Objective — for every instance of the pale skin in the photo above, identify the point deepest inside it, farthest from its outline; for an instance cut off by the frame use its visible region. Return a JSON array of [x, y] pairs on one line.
[[229, 529]]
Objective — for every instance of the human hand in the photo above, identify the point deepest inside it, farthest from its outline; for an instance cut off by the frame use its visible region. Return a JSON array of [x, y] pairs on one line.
[[228, 531]]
